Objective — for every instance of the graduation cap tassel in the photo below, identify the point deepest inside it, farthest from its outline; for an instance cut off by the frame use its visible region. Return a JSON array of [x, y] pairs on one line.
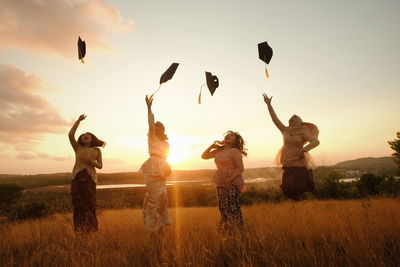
[[266, 71], [201, 88], [151, 96]]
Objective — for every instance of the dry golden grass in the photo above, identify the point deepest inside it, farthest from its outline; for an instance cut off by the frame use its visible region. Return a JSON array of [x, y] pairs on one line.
[[310, 233]]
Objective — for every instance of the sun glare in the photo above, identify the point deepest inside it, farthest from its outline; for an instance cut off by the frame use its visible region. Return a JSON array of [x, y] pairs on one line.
[[178, 153], [180, 148]]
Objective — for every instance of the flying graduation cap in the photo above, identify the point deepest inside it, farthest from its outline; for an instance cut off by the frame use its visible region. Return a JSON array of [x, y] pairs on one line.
[[167, 75], [81, 49], [212, 83], [265, 54]]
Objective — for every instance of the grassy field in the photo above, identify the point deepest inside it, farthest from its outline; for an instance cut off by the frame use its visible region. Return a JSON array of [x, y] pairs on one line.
[[309, 233]]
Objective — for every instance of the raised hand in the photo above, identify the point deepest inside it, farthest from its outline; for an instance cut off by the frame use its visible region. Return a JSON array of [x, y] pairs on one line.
[[82, 117], [217, 144], [267, 99], [149, 101]]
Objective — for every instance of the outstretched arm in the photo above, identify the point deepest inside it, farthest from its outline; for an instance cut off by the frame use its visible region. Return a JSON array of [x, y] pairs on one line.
[[150, 116], [272, 113], [71, 134]]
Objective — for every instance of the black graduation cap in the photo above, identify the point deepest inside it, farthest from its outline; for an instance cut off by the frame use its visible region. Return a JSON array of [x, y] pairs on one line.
[[81, 49], [265, 54], [212, 84], [167, 75]]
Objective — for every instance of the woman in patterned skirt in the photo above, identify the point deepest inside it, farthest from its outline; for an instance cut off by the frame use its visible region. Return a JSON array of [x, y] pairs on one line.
[[228, 178], [297, 176], [84, 178], [156, 169]]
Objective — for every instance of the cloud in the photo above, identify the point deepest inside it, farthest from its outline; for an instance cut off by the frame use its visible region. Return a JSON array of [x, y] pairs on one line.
[[53, 26], [30, 156], [25, 116]]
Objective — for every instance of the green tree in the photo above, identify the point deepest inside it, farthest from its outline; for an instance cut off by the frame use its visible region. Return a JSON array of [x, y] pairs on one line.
[[369, 184], [395, 145]]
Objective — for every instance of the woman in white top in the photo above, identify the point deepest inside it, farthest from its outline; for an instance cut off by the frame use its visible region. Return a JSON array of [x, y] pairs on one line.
[[84, 178], [156, 169], [297, 176]]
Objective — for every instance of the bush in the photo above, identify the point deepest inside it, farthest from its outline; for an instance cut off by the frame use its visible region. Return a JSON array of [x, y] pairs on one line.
[[331, 186], [389, 186], [368, 184], [9, 194], [29, 210]]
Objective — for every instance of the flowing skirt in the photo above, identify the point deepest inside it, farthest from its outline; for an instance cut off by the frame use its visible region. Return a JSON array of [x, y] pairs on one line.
[[229, 207], [156, 167], [155, 205], [296, 181], [83, 194]]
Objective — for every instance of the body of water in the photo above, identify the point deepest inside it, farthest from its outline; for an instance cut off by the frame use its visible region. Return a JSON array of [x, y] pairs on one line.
[[204, 182]]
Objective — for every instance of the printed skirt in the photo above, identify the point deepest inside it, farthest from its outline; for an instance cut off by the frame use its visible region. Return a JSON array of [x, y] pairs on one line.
[[155, 205], [296, 181], [83, 195], [229, 207]]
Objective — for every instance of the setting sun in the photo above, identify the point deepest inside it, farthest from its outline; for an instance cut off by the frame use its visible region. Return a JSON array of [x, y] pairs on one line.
[[179, 150], [178, 154]]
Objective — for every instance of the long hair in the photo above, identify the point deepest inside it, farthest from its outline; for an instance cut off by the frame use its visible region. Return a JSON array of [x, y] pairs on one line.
[[312, 128], [96, 142], [239, 142], [163, 136]]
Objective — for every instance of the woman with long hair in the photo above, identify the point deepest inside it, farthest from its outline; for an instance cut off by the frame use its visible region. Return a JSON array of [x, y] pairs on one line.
[[294, 158], [156, 169], [228, 156], [84, 178]]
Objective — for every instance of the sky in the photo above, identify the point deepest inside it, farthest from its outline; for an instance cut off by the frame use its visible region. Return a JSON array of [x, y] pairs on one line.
[[336, 64]]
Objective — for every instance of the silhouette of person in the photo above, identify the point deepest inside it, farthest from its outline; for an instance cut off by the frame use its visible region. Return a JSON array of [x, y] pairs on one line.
[[297, 176], [84, 178], [228, 178], [156, 169]]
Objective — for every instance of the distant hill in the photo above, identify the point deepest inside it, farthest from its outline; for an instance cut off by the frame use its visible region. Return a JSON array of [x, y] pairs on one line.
[[368, 163], [374, 165]]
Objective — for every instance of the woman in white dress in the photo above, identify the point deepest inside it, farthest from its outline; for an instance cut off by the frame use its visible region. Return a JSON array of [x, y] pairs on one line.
[[156, 169]]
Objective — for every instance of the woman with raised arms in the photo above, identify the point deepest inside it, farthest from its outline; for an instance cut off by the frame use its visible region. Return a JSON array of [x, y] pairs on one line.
[[294, 158], [84, 178], [156, 169], [228, 157]]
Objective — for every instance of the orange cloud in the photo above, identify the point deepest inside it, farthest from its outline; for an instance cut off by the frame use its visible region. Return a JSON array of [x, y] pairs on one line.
[[53, 26], [30, 156], [25, 116]]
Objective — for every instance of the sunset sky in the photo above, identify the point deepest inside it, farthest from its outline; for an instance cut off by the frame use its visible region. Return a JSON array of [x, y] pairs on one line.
[[335, 63]]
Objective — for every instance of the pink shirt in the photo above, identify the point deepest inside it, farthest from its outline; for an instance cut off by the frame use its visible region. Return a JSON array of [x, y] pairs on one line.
[[227, 161], [292, 154]]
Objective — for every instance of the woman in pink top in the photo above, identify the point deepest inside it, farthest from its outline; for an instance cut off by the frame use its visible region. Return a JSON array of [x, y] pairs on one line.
[[297, 176], [228, 177], [84, 178]]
